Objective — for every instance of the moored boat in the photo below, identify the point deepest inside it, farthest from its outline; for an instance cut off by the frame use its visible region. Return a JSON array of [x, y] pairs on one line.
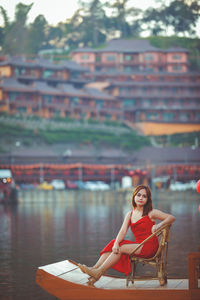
[[66, 281], [8, 189]]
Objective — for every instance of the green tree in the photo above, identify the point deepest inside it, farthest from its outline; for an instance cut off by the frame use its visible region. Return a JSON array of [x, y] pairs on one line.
[[5, 28], [181, 16], [125, 17], [36, 34], [94, 22], [1, 37], [15, 33], [87, 26], [184, 16], [73, 30], [93, 19]]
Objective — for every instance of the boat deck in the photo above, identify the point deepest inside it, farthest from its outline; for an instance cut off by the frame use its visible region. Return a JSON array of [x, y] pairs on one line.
[[69, 271], [66, 281]]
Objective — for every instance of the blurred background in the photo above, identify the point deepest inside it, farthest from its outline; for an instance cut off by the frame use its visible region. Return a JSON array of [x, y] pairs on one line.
[[96, 97]]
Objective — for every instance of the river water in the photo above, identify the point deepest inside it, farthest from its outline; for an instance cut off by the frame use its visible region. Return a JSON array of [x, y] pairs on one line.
[[50, 226]]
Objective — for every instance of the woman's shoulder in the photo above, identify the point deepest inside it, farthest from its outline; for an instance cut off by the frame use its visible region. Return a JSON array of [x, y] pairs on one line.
[[153, 213], [129, 213], [156, 213], [128, 217]]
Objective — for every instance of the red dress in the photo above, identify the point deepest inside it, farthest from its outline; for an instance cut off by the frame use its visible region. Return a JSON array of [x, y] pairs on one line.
[[141, 230]]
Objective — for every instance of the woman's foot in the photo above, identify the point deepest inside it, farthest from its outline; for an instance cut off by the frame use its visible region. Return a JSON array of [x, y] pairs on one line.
[[95, 273], [83, 268]]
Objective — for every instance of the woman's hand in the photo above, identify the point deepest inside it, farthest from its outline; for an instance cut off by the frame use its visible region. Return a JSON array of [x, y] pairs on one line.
[[155, 227], [115, 248]]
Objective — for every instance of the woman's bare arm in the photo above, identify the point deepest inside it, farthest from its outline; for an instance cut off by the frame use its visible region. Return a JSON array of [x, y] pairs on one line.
[[122, 232], [164, 217]]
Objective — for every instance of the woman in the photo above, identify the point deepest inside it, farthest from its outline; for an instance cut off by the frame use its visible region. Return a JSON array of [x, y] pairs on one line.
[[142, 222]]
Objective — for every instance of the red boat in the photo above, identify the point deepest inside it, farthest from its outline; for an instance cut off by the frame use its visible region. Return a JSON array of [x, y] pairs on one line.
[[8, 190]]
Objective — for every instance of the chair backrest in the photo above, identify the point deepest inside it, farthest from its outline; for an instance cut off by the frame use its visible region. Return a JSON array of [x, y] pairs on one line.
[[163, 237]]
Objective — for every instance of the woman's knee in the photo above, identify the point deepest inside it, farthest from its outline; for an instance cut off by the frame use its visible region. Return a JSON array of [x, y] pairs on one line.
[[127, 249]]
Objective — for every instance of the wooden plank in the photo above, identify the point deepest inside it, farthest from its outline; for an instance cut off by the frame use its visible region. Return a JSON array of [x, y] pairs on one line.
[[152, 284], [140, 284], [120, 283], [59, 267], [194, 294], [109, 282], [116, 283], [193, 260], [183, 284], [103, 281], [75, 276]]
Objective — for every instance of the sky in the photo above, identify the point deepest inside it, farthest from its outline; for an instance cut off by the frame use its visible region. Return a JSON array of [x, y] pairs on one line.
[[56, 11]]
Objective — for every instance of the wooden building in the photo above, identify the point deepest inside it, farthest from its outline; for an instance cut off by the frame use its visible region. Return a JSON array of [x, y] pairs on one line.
[[42, 88], [27, 71], [132, 55], [149, 89], [64, 100], [159, 103], [158, 94]]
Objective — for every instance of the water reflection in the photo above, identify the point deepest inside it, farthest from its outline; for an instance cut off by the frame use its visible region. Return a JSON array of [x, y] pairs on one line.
[[49, 226]]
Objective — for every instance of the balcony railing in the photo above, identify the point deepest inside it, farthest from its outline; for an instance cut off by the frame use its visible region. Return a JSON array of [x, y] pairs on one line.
[[158, 94], [168, 107]]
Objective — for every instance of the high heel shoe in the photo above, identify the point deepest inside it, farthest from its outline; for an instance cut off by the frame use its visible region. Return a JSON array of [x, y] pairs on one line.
[[91, 281], [94, 274], [82, 267]]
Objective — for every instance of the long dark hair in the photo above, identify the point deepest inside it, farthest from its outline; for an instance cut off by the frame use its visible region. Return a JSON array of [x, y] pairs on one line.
[[148, 206]]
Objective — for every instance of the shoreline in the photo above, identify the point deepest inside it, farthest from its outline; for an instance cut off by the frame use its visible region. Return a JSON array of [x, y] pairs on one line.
[[37, 196]]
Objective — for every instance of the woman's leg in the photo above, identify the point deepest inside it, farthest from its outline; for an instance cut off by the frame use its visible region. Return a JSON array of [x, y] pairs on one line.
[[101, 259], [97, 272], [111, 260]]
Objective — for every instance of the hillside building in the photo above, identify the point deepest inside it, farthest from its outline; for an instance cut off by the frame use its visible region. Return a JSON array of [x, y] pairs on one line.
[[157, 92], [132, 56], [51, 90], [149, 89]]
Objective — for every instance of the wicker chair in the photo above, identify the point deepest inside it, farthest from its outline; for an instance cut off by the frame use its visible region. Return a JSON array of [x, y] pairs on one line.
[[159, 260]]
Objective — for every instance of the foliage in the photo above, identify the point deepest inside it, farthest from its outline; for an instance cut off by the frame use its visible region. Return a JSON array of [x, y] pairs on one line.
[[36, 36], [131, 141], [180, 16], [185, 139], [128, 141], [12, 130], [93, 23], [122, 13], [180, 139], [16, 32]]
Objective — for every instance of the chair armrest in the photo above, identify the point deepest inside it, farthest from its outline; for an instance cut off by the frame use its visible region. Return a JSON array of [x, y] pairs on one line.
[[149, 237]]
